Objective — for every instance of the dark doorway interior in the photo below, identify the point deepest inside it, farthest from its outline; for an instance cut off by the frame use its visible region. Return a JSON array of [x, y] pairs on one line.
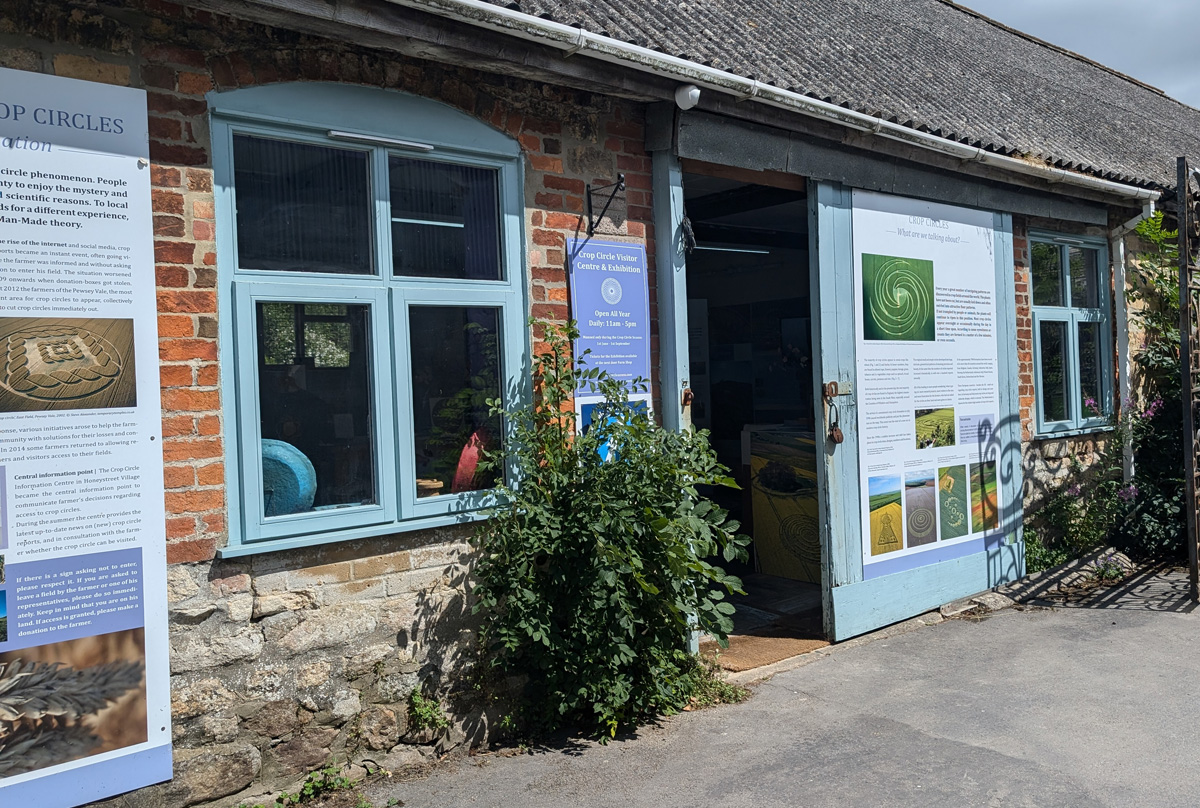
[[750, 351]]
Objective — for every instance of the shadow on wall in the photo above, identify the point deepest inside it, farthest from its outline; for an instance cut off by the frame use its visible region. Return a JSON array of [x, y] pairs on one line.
[[1050, 463], [994, 482]]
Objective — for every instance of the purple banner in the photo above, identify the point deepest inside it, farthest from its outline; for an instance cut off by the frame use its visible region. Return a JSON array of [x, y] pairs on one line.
[[610, 301], [77, 596]]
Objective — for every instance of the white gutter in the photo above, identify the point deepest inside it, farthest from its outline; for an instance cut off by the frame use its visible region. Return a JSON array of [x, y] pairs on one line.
[[577, 40], [1120, 261]]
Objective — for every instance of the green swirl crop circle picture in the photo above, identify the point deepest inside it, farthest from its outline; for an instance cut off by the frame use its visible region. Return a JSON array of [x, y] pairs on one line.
[[898, 299]]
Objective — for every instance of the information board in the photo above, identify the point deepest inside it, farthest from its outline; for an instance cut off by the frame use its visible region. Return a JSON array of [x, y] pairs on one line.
[[85, 712], [928, 384], [610, 302]]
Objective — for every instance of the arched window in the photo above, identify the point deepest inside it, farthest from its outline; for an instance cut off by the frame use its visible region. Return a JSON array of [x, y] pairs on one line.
[[372, 301]]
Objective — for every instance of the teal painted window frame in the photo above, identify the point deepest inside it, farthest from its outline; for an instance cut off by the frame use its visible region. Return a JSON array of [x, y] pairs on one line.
[[306, 114], [1078, 422]]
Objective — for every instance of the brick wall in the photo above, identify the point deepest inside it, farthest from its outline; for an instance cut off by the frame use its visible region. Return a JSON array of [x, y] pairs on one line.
[[282, 661]]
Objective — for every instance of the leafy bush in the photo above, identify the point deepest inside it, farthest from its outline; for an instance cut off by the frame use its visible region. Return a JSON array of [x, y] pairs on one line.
[[1154, 521], [595, 568], [1039, 556]]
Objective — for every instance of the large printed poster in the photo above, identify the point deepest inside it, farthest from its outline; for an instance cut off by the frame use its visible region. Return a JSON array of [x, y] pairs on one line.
[[84, 690], [928, 384]]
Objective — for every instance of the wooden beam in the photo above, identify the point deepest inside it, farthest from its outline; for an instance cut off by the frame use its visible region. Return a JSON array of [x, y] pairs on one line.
[[739, 200], [416, 34], [773, 179]]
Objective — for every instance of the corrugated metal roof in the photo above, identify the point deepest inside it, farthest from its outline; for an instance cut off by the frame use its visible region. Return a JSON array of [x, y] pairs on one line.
[[928, 64]]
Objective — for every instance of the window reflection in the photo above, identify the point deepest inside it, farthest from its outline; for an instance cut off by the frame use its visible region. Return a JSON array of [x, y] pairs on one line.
[[1085, 281], [455, 368], [315, 404], [302, 208], [1047, 275], [1089, 365], [1055, 404], [445, 220]]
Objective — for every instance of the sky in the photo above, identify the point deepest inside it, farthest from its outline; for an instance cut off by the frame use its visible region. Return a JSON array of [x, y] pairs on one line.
[[1157, 42]]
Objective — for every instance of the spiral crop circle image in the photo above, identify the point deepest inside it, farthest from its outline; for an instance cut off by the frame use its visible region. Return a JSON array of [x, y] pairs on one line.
[[920, 521], [898, 299]]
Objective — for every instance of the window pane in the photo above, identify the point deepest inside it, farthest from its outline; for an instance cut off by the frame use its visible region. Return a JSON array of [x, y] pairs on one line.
[[302, 208], [1047, 275], [1089, 365], [445, 220], [1055, 403], [455, 369], [1085, 278], [314, 382]]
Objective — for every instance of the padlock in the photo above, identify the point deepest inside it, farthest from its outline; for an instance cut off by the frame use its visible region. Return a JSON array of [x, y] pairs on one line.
[[835, 431], [688, 396]]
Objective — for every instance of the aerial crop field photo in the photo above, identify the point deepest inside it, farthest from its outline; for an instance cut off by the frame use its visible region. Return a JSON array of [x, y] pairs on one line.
[[935, 428], [886, 515]]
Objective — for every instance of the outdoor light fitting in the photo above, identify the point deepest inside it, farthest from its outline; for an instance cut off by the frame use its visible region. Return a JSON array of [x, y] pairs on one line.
[[687, 96]]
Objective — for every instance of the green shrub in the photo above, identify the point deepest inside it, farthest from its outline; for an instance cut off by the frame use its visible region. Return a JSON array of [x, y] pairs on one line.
[[593, 572], [1038, 556], [1154, 522]]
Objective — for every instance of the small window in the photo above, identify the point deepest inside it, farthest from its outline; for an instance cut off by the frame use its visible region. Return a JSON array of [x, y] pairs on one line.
[[456, 370], [1071, 313], [314, 387], [302, 207], [1047, 275], [445, 220]]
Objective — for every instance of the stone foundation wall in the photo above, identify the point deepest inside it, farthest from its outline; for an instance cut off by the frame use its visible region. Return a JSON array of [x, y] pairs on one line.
[[281, 663], [284, 661]]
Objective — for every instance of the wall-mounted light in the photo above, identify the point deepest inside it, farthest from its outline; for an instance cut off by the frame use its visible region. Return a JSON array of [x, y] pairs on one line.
[[687, 96]]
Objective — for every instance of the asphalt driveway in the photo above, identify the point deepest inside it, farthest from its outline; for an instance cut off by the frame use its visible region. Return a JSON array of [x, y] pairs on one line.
[[1095, 704]]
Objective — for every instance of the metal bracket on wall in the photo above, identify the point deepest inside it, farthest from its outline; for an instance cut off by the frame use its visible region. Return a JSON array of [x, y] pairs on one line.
[[617, 187]]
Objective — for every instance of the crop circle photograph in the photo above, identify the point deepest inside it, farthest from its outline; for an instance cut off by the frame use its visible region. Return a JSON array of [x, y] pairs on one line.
[[54, 363], [898, 299]]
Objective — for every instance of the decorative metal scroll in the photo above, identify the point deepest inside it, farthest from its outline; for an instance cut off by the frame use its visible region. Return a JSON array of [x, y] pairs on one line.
[[1188, 205]]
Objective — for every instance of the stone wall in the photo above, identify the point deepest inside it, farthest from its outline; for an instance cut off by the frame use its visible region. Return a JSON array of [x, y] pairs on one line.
[[281, 662]]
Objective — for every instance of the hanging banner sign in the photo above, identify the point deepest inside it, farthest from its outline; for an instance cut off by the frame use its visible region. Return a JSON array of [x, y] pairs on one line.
[[84, 682], [610, 302], [928, 383]]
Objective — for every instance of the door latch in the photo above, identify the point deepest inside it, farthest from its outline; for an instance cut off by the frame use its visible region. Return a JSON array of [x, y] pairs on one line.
[[831, 392], [835, 431]]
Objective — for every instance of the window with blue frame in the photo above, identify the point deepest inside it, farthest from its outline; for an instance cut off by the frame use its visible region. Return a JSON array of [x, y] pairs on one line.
[[378, 307], [1072, 325]]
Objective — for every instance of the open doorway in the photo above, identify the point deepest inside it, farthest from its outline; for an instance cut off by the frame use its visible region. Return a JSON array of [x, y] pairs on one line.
[[751, 373]]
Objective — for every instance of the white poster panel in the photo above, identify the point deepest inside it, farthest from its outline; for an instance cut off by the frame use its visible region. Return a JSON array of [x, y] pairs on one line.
[[85, 711], [928, 397]]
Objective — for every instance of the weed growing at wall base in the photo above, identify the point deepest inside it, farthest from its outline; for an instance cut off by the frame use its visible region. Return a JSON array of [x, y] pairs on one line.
[[595, 569]]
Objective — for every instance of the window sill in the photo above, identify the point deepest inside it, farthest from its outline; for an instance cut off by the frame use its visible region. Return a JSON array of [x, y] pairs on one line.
[[1073, 433], [249, 548]]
